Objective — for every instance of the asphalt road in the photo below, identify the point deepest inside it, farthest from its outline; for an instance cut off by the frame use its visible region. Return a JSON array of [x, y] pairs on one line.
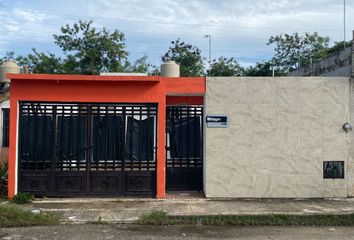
[[115, 231]]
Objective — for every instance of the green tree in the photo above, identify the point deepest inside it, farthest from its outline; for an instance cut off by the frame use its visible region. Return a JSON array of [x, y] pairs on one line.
[[294, 51], [40, 62], [188, 56], [225, 67], [8, 56], [86, 51], [140, 65], [335, 49], [263, 69], [90, 51]]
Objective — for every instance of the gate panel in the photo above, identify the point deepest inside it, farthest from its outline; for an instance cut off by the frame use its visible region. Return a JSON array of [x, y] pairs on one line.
[[184, 148], [140, 155], [87, 149], [35, 153], [69, 173], [106, 162]]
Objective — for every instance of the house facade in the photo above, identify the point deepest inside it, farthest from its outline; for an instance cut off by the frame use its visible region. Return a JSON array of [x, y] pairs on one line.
[[75, 135]]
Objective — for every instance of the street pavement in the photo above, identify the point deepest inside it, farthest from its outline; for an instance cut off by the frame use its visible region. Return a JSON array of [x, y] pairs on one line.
[[128, 231]]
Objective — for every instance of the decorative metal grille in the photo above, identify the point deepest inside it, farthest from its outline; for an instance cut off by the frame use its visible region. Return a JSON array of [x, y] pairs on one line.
[[184, 148], [84, 138], [184, 136]]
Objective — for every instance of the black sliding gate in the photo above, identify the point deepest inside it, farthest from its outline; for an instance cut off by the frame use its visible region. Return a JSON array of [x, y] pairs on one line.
[[82, 149], [184, 148]]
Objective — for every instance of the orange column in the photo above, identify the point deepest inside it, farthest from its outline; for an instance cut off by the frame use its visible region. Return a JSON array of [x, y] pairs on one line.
[[161, 162], [12, 174]]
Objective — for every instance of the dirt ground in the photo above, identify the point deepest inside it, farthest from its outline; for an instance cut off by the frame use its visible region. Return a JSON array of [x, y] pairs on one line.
[[128, 231]]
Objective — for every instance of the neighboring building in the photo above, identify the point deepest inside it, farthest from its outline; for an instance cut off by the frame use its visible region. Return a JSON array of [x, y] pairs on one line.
[[340, 64], [75, 135], [7, 67], [285, 138], [5, 127]]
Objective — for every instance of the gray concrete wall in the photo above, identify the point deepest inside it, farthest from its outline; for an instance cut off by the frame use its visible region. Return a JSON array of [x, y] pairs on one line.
[[281, 130], [352, 60], [351, 115], [337, 65]]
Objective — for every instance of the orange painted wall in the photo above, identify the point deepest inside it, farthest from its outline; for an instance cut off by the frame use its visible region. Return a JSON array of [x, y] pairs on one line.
[[79, 88]]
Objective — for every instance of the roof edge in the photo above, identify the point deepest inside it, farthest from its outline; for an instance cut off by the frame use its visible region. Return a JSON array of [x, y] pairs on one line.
[[70, 77]]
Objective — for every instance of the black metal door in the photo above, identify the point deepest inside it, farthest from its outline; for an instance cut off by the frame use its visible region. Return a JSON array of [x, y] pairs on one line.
[[184, 148], [81, 149]]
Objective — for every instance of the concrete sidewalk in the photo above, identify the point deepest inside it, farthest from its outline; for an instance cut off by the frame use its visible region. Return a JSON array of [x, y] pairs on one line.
[[129, 210]]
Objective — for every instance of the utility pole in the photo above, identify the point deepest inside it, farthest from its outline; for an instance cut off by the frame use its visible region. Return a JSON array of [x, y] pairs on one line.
[[209, 36], [344, 18]]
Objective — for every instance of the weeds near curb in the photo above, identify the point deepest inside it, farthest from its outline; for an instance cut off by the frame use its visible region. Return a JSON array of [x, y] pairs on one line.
[[99, 221], [155, 218], [23, 198], [11, 216]]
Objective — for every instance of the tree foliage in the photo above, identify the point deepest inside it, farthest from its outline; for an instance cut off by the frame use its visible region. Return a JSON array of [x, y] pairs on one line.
[[40, 62], [141, 65], [90, 51], [335, 49], [225, 67], [10, 55], [86, 50], [295, 50], [263, 69], [188, 56]]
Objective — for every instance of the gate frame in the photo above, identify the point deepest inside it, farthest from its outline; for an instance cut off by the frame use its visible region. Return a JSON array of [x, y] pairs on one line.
[[98, 89], [192, 103], [86, 176]]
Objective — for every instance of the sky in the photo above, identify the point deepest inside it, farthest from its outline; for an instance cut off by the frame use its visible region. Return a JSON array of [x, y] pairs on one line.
[[238, 28]]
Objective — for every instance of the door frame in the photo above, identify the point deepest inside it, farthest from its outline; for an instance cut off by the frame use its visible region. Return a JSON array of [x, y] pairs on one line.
[[185, 174]]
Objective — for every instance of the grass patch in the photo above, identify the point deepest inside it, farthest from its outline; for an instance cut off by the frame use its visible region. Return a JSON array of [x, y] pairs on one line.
[[11, 216], [155, 218], [99, 221], [161, 218], [23, 198]]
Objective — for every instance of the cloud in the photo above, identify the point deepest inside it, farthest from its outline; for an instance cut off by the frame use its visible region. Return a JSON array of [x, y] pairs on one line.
[[19, 24], [238, 28]]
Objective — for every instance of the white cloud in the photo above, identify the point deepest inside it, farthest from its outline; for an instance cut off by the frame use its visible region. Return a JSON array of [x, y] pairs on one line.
[[19, 24], [29, 16], [239, 28]]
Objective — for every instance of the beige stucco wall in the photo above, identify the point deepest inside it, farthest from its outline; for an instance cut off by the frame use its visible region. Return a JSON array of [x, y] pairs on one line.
[[351, 148], [281, 130]]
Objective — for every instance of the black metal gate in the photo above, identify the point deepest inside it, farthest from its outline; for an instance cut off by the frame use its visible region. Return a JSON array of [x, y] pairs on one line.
[[82, 149], [184, 148]]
